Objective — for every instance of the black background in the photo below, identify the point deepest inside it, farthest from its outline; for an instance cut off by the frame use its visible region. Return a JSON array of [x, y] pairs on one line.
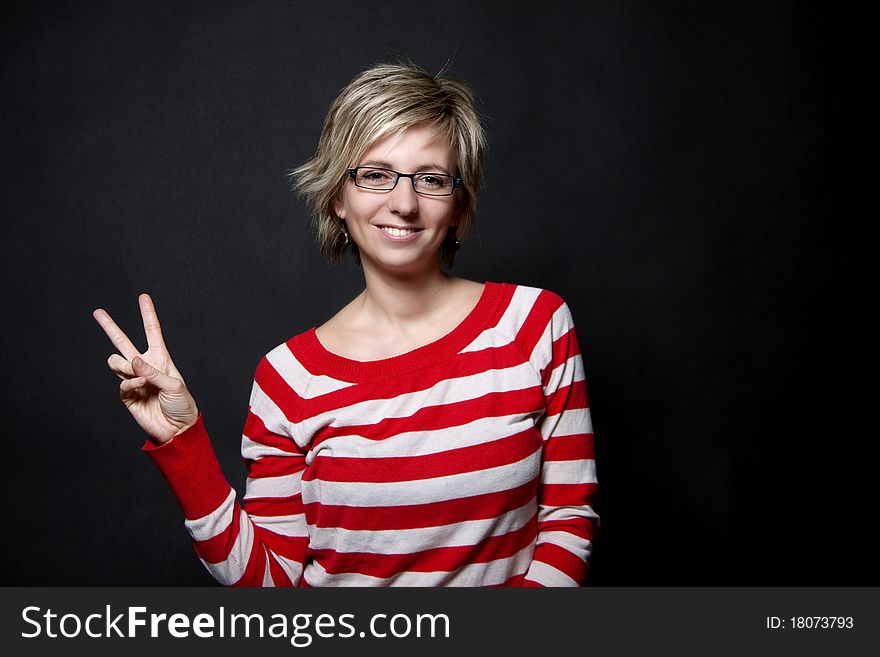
[[683, 174]]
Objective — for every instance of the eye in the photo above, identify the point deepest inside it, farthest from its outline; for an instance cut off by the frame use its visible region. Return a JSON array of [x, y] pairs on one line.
[[433, 181], [375, 177]]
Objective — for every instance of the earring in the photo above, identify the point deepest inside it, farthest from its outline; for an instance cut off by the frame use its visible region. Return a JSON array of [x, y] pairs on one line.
[[452, 242], [346, 237]]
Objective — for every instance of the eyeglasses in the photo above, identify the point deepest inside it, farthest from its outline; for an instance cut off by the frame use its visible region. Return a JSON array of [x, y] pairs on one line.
[[384, 180]]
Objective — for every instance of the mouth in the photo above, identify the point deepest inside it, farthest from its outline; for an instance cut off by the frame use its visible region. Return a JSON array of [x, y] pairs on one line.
[[399, 233]]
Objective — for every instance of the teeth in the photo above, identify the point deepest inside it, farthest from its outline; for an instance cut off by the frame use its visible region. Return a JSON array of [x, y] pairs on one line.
[[398, 232]]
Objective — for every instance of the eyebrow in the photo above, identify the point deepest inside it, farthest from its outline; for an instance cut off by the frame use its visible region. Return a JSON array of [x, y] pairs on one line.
[[420, 169]]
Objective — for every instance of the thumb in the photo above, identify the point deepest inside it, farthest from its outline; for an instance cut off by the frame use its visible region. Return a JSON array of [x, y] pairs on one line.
[[151, 374]]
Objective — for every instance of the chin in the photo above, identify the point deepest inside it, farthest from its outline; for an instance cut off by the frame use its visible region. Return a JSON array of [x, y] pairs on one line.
[[405, 263]]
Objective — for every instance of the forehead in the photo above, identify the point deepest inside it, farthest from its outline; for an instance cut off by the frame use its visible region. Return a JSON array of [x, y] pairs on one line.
[[411, 148]]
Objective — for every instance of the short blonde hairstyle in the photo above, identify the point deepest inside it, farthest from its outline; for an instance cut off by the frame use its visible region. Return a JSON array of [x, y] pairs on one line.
[[385, 100]]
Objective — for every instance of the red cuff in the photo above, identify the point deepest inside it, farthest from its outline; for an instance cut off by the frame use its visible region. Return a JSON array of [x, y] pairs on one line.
[[190, 467]]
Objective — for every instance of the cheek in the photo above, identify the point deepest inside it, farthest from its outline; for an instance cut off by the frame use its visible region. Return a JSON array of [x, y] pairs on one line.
[[358, 207], [450, 217]]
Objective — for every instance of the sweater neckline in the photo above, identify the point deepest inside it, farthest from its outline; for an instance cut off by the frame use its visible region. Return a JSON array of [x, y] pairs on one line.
[[317, 359]]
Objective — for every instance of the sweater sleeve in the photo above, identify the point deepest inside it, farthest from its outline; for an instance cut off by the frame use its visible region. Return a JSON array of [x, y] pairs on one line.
[[566, 519], [262, 540]]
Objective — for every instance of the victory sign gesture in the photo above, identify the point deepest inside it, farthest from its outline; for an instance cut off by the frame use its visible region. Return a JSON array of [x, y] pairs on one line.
[[152, 389]]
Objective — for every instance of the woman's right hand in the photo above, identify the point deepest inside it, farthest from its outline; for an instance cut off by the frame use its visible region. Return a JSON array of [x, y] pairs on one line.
[[152, 389]]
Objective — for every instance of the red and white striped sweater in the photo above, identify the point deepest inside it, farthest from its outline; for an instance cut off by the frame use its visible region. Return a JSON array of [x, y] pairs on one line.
[[466, 462]]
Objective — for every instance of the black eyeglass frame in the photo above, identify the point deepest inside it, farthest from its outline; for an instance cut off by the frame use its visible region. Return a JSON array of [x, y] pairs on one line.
[[456, 182]]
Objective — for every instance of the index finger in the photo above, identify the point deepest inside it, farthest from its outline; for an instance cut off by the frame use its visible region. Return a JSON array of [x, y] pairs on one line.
[[117, 336], [151, 322]]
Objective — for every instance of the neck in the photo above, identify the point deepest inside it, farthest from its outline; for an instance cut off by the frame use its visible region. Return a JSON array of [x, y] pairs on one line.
[[405, 298]]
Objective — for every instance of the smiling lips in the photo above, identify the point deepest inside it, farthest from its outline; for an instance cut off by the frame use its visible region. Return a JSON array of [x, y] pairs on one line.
[[399, 233]]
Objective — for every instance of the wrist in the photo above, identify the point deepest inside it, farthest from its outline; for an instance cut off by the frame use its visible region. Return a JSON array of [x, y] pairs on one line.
[[189, 425], [160, 440]]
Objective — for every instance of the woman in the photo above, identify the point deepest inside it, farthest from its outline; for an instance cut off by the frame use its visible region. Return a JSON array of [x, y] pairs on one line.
[[435, 431]]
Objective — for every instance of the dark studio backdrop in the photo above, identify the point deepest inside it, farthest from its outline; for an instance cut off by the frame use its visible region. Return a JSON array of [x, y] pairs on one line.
[[679, 172]]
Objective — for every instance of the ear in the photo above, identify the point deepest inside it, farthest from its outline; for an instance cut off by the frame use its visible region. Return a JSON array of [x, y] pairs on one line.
[[339, 207]]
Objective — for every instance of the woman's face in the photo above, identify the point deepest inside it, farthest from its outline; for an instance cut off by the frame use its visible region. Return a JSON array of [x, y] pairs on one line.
[[400, 230]]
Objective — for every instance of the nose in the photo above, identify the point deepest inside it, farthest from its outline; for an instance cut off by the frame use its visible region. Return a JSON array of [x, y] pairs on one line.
[[403, 200]]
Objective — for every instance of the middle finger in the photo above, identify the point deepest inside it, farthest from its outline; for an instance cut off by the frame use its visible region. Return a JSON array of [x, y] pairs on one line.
[[152, 329]]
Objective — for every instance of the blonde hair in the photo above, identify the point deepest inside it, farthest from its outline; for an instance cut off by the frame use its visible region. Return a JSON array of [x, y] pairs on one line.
[[382, 101]]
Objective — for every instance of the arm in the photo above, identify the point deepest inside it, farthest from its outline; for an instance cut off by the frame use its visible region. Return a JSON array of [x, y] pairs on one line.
[[566, 520], [261, 541]]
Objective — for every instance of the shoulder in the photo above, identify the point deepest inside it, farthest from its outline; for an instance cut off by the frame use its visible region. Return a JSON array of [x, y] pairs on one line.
[[283, 364], [530, 317], [534, 304], [543, 329]]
